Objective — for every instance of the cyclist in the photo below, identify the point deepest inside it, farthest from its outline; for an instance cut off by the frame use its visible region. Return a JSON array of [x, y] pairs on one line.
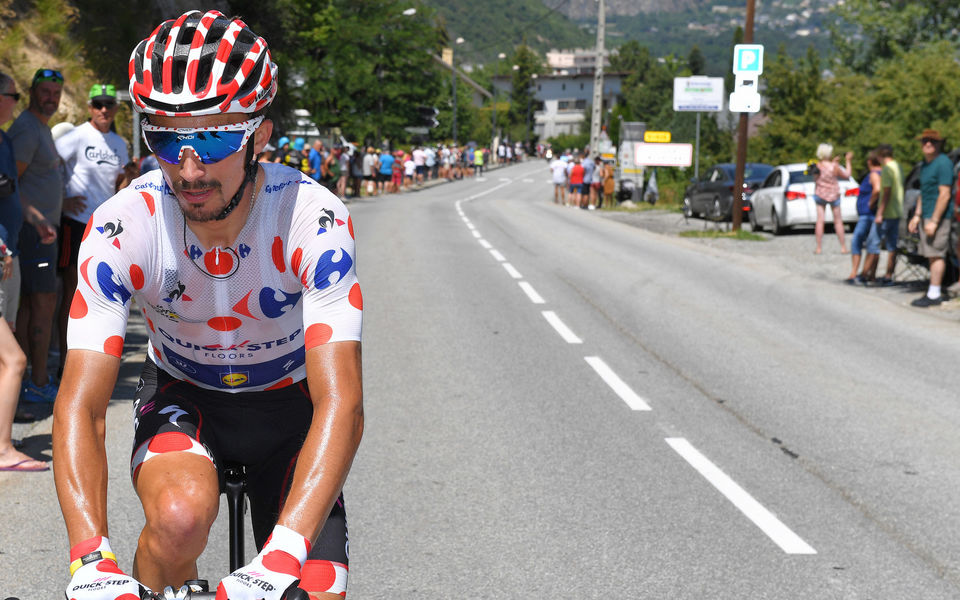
[[245, 275]]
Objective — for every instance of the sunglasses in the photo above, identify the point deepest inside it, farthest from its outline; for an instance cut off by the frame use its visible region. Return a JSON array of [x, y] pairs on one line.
[[14, 95], [98, 105], [928, 141], [47, 75], [210, 144]]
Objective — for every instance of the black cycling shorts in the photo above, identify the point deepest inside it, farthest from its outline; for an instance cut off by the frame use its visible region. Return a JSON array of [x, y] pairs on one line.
[[263, 431]]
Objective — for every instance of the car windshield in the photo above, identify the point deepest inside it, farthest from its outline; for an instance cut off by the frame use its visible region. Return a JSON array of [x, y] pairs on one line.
[[800, 177], [753, 172]]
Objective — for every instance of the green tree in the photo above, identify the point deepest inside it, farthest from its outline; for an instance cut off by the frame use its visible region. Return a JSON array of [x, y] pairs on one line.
[[888, 27], [528, 64], [696, 62]]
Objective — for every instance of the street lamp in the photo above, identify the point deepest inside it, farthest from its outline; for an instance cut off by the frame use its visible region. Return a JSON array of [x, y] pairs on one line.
[[500, 56], [453, 66]]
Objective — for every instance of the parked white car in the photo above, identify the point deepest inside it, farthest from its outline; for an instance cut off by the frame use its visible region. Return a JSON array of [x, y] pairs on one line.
[[785, 200]]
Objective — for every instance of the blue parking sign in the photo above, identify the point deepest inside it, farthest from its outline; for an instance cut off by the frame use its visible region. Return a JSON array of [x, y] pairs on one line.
[[748, 59]]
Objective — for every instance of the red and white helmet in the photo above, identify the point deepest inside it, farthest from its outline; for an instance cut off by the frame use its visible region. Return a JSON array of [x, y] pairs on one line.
[[202, 64]]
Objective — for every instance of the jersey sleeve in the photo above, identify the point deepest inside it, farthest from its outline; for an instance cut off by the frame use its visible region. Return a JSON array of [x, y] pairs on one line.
[[106, 279], [322, 253]]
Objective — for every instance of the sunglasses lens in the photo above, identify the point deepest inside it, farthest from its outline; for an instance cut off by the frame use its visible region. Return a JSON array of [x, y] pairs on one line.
[[210, 146], [97, 105]]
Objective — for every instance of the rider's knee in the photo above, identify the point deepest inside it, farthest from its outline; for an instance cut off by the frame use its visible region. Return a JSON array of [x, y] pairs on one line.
[[181, 517]]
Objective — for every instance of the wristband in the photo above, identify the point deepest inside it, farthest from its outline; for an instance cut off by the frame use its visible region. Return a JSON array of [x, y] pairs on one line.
[[89, 551], [289, 541]]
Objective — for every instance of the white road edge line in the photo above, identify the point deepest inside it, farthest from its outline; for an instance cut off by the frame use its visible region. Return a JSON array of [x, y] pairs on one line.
[[512, 271], [475, 233], [623, 390], [788, 541], [561, 327], [496, 254], [485, 243], [531, 293]]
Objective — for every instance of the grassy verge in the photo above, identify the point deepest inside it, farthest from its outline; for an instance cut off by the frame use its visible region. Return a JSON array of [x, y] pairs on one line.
[[742, 234]]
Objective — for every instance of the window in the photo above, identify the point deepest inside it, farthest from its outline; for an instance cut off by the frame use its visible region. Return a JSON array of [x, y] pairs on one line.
[[563, 86], [581, 86]]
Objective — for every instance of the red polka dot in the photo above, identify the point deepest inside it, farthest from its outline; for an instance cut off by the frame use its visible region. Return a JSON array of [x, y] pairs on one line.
[[78, 308], [85, 547], [295, 261], [224, 323], [281, 384], [318, 575], [113, 345], [243, 307], [83, 272], [279, 561], [108, 566], [136, 277], [278, 254], [350, 227], [156, 353], [150, 325], [86, 231], [149, 200], [171, 441], [317, 335], [356, 298], [218, 263]]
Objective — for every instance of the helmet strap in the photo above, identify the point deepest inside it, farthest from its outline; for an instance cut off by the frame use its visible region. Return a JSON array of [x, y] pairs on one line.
[[249, 177]]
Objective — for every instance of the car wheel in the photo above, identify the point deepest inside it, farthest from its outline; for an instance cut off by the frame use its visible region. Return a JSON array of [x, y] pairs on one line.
[[716, 212], [775, 225], [754, 225], [687, 208]]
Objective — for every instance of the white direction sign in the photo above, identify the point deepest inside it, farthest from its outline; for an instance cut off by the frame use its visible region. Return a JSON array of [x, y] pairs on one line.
[[662, 155], [698, 94]]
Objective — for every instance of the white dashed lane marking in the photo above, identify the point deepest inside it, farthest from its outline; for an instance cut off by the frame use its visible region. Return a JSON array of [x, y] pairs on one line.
[[561, 328], [623, 390]]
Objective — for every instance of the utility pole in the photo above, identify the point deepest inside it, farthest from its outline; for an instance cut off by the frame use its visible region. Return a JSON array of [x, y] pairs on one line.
[[597, 111], [742, 136]]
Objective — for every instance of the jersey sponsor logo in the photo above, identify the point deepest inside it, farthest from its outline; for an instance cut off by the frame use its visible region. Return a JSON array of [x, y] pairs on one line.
[[243, 250], [101, 156], [195, 252], [237, 376], [273, 308], [279, 187], [151, 186], [110, 287], [234, 379], [233, 351], [166, 312], [327, 220], [327, 266], [178, 293], [112, 230]]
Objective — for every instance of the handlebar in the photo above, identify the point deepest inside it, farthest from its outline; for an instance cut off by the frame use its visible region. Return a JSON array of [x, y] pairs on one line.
[[187, 592]]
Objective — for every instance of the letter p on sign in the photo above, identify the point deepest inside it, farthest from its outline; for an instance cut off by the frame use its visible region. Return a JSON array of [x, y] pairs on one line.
[[748, 59]]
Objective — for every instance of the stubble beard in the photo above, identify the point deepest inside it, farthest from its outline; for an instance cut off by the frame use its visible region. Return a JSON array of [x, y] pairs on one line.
[[200, 213]]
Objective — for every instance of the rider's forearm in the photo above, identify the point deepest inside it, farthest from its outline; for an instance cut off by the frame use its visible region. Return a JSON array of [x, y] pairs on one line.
[[334, 380], [80, 461]]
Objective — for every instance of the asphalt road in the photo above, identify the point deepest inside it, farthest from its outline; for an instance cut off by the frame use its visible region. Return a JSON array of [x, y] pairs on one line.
[[562, 402]]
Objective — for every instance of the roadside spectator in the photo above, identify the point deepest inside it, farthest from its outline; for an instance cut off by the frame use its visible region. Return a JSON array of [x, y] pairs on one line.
[[866, 229], [149, 162], [478, 161], [827, 191], [559, 169], [330, 169], [265, 157], [41, 196], [316, 158], [283, 148], [12, 360], [934, 212], [97, 166], [409, 171], [369, 173], [356, 170], [396, 176], [588, 191], [609, 184], [420, 161], [575, 177], [384, 172], [344, 157], [430, 160], [890, 209]]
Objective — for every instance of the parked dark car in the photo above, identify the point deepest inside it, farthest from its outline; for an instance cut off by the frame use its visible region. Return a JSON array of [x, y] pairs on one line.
[[712, 195]]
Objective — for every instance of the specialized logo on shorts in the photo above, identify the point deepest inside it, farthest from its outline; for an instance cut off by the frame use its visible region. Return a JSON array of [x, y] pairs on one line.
[[327, 266]]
